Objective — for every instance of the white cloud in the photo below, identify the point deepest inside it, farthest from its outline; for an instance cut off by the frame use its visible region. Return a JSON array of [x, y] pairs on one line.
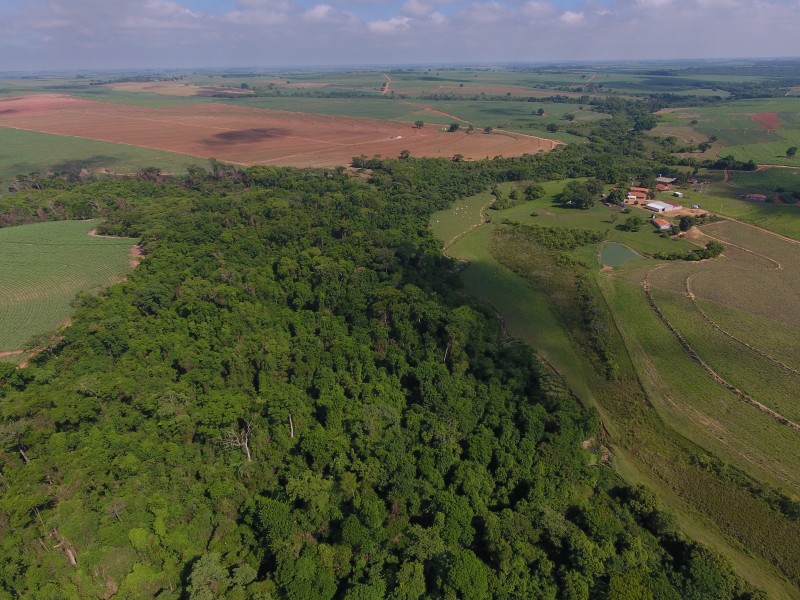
[[393, 25], [152, 33], [572, 18], [416, 8], [438, 18], [537, 10], [486, 12], [321, 12]]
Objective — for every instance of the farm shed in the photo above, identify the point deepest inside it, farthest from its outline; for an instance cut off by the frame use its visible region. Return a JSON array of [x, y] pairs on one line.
[[659, 206], [637, 196], [661, 224], [665, 180], [639, 189], [678, 194], [663, 187]]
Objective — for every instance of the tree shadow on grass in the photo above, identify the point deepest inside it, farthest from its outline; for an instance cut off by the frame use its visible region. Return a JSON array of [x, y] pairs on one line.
[[66, 166]]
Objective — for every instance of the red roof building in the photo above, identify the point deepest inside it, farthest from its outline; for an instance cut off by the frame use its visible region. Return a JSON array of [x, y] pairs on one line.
[[639, 189], [662, 224]]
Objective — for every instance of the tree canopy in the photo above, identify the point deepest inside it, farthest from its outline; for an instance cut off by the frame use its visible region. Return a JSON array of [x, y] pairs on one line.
[[288, 399]]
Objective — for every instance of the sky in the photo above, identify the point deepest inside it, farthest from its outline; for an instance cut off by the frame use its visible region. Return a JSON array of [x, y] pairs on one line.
[[162, 34]]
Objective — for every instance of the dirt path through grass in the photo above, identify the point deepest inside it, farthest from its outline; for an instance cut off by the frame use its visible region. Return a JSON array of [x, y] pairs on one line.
[[706, 367], [455, 238], [715, 325]]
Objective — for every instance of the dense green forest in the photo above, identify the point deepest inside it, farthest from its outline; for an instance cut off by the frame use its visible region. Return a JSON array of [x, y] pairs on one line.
[[288, 399]]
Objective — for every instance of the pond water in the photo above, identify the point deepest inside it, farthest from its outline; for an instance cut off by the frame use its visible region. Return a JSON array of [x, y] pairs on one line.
[[613, 254]]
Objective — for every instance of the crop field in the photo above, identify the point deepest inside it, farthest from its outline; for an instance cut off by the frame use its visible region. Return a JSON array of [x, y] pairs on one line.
[[758, 130], [783, 341], [24, 152], [721, 309], [691, 401], [765, 180], [43, 266], [254, 136]]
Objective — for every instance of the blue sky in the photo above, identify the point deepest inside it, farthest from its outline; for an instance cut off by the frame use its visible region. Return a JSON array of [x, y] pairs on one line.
[[92, 34]]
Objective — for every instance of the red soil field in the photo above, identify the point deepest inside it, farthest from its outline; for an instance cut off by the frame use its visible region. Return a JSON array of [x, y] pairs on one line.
[[769, 121], [253, 135]]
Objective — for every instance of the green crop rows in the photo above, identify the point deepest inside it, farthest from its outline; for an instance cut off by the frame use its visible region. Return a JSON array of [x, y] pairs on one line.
[[43, 266]]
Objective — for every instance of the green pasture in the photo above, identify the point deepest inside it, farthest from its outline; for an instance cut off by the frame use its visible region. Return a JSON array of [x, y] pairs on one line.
[[525, 310], [511, 115], [460, 217], [600, 217], [755, 375], [777, 339], [694, 419], [43, 266], [25, 152], [373, 108], [141, 99]]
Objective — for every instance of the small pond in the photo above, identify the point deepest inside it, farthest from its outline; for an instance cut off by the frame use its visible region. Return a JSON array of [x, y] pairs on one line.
[[613, 254]]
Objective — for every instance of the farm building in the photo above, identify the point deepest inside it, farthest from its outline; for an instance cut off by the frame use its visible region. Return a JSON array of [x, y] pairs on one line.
[[661, 224], [678, 194], [666, 180], [639, 189], [663, 187], [637, 196], [662, 206]]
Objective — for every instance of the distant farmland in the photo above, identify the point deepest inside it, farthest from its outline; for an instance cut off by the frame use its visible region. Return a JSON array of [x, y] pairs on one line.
[[760, 130], [255, 136]]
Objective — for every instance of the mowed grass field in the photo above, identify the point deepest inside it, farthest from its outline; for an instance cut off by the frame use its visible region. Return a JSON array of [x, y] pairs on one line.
[[43, 266]]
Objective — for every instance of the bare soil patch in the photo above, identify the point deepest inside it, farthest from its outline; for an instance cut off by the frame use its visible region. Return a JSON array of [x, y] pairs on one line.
[[768, 120], [251, 136]]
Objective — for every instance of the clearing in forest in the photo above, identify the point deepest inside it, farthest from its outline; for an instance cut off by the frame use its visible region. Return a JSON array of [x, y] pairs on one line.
[[43, 266]]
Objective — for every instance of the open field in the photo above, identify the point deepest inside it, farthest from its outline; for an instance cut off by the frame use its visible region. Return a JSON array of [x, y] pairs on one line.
[[253, 136], [44, 265], [24, 152]]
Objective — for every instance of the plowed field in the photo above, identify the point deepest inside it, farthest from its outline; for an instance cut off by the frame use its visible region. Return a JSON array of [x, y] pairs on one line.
[[252, 135]]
